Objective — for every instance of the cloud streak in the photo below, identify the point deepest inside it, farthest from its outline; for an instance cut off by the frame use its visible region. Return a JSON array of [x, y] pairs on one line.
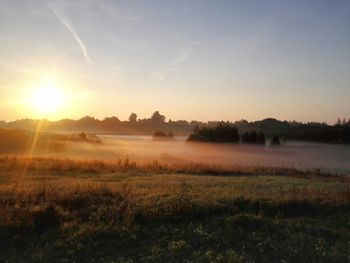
[[183, 54], [70, 29]]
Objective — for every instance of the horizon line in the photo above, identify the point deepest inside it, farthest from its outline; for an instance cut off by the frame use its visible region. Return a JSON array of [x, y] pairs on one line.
[[168, 119]]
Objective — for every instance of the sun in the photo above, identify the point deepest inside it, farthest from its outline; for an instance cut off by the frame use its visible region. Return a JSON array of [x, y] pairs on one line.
[[47, 99]]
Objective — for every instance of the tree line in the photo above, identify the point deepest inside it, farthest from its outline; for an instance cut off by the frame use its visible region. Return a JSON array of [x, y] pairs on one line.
[[228, 133], [311, 131]]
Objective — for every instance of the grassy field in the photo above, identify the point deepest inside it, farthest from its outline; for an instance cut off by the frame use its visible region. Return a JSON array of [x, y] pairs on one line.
[[93, 211]]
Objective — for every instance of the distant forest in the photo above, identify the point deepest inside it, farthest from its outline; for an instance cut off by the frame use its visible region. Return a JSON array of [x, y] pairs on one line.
[[311, 131]]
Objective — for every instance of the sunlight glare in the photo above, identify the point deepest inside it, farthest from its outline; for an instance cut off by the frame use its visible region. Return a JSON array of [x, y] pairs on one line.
[[47, 99]]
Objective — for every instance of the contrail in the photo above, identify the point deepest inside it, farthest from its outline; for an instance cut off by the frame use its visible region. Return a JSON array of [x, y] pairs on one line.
[[70, 28], [183, 54]]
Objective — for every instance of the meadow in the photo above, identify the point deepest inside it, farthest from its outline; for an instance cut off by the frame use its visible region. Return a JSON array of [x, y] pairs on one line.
[[61, 210], [174, 131]]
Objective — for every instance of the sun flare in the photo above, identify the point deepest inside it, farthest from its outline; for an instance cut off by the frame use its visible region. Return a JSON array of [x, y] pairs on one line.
[[47, 99]]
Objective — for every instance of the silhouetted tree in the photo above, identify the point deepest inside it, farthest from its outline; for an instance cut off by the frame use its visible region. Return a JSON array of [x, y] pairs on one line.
[[110, 123], [253, 137], [133, 118], [162, 135], [112, 119], [311, 131], [221, 133], [338, 123], [275, 141], [159, 134], [157, 117], [196, 130], [261, 138], [83, 136]]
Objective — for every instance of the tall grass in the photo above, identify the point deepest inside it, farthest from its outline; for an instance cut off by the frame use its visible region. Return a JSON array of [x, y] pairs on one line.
[[13, 164], [94, 211]]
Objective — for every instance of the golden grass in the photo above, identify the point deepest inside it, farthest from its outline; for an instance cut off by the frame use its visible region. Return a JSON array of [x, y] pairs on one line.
[[86, 207], [125, 165], [154, 182]]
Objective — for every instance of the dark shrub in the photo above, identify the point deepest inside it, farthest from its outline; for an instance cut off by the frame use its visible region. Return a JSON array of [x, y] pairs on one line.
[[253, 137], [159, 134], [82, 136], [223, 132], [46, 219], [162, 135], [275, 141]]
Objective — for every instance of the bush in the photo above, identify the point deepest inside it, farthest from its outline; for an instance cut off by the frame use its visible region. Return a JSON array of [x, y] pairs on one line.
[[220, 133], [162, 135], [275, 141], [254, 137], [46, 219]]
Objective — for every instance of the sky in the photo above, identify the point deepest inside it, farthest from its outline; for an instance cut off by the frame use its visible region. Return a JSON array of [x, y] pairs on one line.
[[189, 59]]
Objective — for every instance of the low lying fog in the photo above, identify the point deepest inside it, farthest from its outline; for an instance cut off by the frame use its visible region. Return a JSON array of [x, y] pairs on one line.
[[300, 155]]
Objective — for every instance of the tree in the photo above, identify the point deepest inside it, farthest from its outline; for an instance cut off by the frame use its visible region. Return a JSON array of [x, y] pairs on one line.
[[111, 120], [196, 130], [133, 117], [223, 132], [275, 141], [253, 137], [338, 123], [157, 117], [83, 136], [261, 138]]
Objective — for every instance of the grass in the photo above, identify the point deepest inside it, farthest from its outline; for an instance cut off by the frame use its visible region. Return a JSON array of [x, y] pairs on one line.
[[94, 211]]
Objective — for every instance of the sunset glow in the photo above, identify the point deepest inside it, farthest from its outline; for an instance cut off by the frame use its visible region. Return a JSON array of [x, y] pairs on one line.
[[241, 60], [48, 99], [174, 131]]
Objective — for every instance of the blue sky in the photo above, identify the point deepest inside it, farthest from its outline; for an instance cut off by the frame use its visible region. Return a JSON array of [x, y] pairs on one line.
[[205, 60]]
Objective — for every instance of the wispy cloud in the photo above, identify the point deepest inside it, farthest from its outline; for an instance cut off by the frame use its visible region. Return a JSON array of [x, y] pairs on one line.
[[182, 55], [65, 22]]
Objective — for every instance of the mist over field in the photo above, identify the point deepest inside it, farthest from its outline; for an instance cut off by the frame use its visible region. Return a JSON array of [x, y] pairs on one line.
[[174, 131], [293, 154]]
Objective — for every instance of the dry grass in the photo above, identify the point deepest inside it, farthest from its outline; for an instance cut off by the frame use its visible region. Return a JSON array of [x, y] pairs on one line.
[[53, 177], [49, 181], [15, 164], [84, 201], [63, 177]]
